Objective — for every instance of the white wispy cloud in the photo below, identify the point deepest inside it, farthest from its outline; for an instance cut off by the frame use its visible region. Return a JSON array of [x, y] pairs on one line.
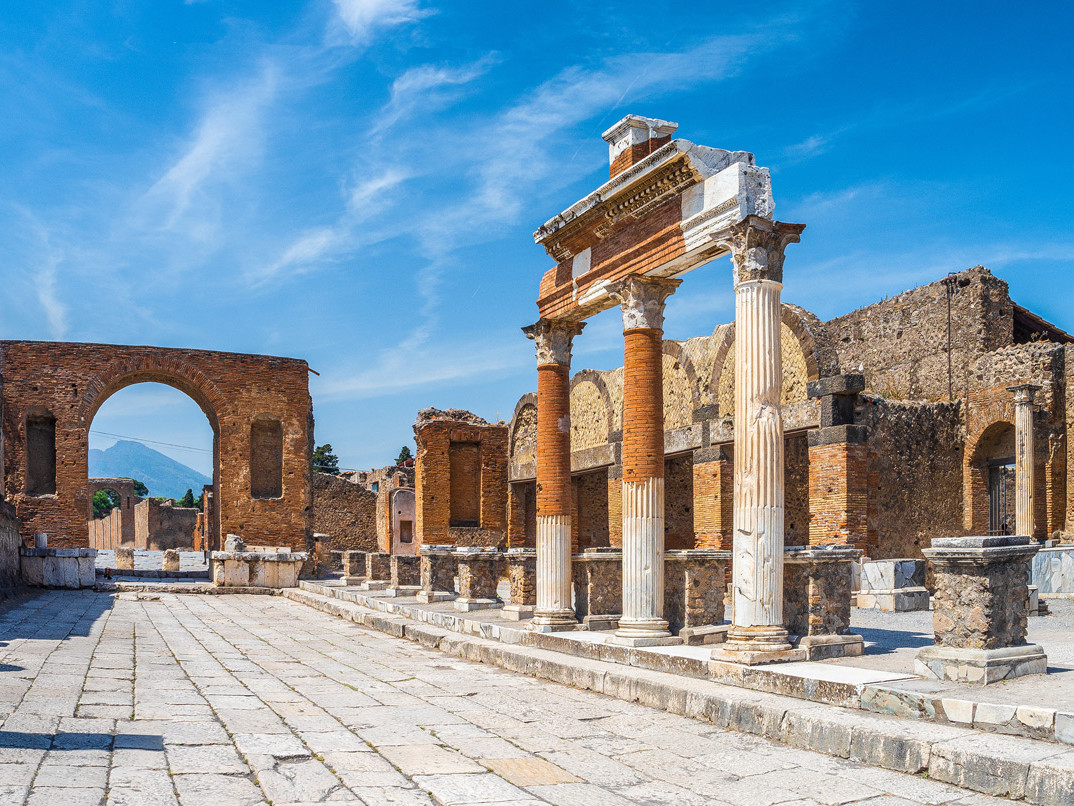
[[428, 88], [227, 140], [362, 17]]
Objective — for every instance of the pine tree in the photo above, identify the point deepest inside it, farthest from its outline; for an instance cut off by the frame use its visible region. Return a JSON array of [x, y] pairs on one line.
[[404, 454]]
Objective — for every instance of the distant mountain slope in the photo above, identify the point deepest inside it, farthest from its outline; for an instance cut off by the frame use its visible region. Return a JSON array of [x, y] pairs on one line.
[[161, 474]]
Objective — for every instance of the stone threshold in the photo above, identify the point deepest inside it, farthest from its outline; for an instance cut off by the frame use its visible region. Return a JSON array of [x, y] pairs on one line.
[[890, 693], [1037, 772]]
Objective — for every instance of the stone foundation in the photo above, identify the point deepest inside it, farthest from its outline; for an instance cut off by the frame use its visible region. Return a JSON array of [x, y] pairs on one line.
[[406, 575], [353, 568], [58, 568], [479, 574], [256, 569], [981, 610], [694, 585], [816, 600], [598, 587], [378, 571], [893, 585], [437, 564], [522, 574]]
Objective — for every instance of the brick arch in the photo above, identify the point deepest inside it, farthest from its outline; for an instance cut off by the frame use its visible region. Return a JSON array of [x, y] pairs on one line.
[[987, 443], [154, 368], [596, 378], [673, 412]]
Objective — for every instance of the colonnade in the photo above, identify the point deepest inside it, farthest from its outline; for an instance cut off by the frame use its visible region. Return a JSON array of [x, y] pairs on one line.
[[757, 248]]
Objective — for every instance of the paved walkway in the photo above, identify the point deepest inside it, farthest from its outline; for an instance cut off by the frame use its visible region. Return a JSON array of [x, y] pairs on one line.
[[219, 700]]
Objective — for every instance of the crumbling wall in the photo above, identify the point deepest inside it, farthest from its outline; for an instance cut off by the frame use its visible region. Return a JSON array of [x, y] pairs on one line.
[[901, 344], [346, 512], [106, 534], [915, 469], [159, 526], [9, 547]]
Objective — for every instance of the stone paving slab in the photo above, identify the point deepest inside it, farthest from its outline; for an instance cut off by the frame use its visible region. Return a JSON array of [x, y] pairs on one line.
[[342, 713]]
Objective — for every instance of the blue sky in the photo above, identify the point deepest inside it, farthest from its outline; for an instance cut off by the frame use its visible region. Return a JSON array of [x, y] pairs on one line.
[[356, 182]]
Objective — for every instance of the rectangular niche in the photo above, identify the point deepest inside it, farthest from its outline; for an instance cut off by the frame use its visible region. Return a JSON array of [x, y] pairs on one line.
[[40, 454], [266, 458], [464, 459]]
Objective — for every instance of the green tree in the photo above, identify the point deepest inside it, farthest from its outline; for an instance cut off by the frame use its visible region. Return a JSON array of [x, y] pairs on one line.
[[404, 454], [187, 501], [324, 461], [140, 489], [104, 501]]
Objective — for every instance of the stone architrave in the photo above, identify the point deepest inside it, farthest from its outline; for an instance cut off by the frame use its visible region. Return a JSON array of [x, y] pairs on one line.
[[642, 301], [980, 611], [479, 575], [522, 575], [437, 573], [1023, 458], [553, 339], [757, 634]]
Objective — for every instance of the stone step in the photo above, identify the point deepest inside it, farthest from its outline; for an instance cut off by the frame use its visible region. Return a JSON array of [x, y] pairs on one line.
[[1006, 766]]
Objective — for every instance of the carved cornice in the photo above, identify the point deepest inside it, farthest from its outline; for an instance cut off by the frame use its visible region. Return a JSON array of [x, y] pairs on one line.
[[642, 300], [757, 245], [553, 339]]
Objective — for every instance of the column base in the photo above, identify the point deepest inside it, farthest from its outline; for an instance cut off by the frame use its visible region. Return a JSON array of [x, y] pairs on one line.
[[352, 582], [753, 646], [428, 597], [608, 621], [822, 647], [753, 657], [980, 666], [466, 605], [652, 632], [516, 612], [562, 621], [370, 585], [403, 590]]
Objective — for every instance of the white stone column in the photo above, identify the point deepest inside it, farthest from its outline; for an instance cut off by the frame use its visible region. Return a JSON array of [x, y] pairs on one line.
[[553, 610], [757, 632], [642, 301], [1024, 451]]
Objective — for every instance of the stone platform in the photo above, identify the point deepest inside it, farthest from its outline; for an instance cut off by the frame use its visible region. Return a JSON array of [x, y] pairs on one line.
[[882, 680]]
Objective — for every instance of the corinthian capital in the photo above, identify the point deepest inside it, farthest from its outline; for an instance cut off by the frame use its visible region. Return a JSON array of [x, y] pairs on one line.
[[642, 300], [1024, 393], [553, 338], [757, 246]]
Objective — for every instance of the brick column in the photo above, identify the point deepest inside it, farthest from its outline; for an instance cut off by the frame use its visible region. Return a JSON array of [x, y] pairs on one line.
[[838, 465], [1024, 459], [553, 610], [642, 301], [757, 634]]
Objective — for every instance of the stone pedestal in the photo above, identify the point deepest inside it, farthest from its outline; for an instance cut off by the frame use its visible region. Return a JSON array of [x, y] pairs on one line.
[[257, 569], [353, 568], [553, 340], [598, 587], [893, 585], [406, 575], [170, 562], [58, 568], [816, 600], [694, 585], [479, 574], [522, 574], [757, 634], [124, 559], [980, 611], [437, 566], [378, 571]]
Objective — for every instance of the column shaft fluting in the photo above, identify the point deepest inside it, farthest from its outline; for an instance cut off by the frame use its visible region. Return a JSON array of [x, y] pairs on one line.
[[553, 609]]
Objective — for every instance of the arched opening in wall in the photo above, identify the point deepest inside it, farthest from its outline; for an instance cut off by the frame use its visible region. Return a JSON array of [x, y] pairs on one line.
[[152, 472], [40, 452], [403, 509], [266, 458], [991, 471]]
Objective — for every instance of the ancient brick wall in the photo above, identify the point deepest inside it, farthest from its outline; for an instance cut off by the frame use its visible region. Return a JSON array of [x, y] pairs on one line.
[[346, 512], [900, 344], [522, 515], [915, 467], [10, 540], [679, 502], [796, 473], [589, 516], [159, 526], [454, 440], [67, 383]]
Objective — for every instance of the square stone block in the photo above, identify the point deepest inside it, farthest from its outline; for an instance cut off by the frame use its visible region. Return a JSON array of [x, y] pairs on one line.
[[980, 666]]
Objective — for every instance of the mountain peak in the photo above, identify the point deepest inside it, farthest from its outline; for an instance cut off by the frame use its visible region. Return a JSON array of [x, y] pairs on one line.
[[163, 475]]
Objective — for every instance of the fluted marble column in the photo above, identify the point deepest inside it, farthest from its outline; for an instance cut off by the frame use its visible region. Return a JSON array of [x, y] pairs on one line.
[[642, 301], [1024, 449], [757, 621], [553, 338]]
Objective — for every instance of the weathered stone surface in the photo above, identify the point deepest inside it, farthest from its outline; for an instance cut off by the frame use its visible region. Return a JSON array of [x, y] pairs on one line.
[[437, 572], [598, 587], [479, 574], [816, 589], [170, 562], [694, 586], [125, 559]]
